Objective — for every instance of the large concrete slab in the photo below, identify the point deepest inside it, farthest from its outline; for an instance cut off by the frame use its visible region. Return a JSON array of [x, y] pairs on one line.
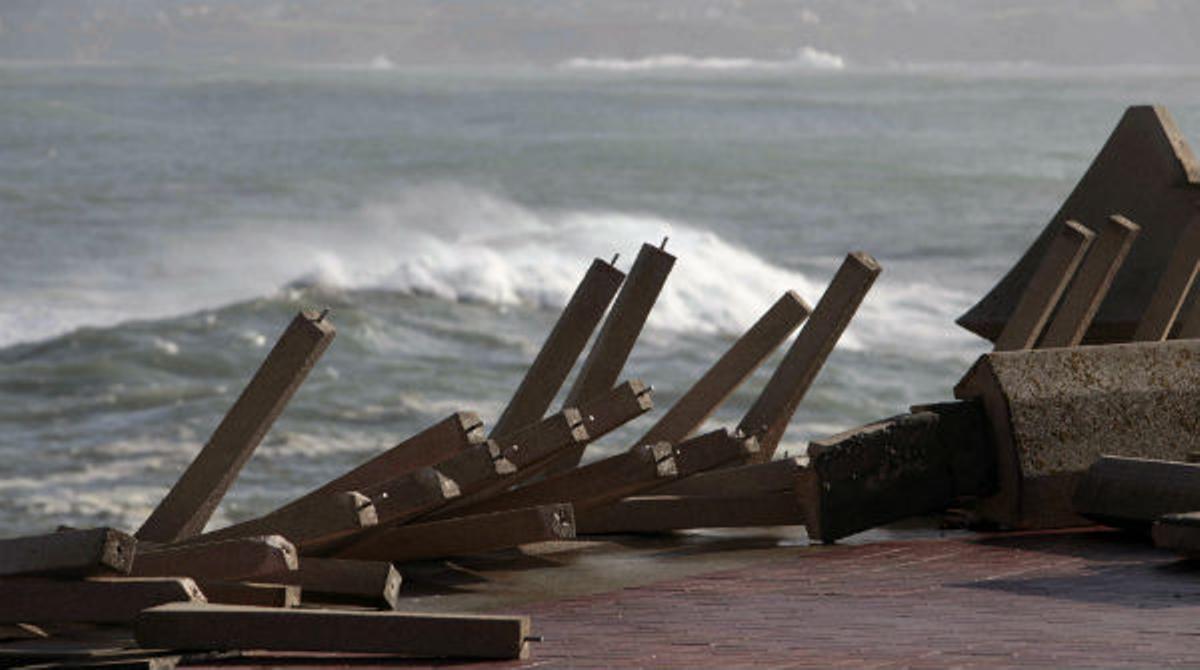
[[1053, 412], [1145, 172]]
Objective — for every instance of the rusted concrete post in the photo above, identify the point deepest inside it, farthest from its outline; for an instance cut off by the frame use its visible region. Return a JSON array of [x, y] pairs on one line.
[[620, 331], [747, 353], [771, 412], [549, 370], [246, 593], [333, 580], [241, 559], [189, 504], [466, 535], [96, 601], [614, 343], [1045, 287], [316, 522], [593, 484], [660, 514], [1172, 290], [533, 449], [222, 627], [741, 481], [71, 553], [445, 439], [1091, 283], [1053, 412]]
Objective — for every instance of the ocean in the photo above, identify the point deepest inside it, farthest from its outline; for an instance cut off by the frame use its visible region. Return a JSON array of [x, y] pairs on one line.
[[159, 226]]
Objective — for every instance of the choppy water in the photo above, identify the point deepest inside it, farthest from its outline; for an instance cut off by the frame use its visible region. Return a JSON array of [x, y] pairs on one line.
[[159, 227]]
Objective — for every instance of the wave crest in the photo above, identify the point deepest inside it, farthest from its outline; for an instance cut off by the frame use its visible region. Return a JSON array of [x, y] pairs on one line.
[[807, 58]]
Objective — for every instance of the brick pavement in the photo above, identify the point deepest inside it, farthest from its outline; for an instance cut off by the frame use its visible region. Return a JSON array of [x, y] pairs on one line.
[[1081, 599]]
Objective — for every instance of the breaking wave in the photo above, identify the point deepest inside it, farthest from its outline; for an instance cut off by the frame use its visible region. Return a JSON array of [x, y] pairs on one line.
[[807, 58], [462, 244]]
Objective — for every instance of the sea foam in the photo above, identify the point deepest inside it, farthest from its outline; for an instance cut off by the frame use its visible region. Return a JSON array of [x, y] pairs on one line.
[[468, 245], [807, 58]]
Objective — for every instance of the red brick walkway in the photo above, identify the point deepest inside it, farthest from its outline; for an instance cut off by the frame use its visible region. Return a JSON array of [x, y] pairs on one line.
[[1089, 599], [1062, 601]]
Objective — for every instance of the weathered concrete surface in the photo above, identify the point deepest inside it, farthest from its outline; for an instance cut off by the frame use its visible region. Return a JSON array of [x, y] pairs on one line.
[[892, 469], [1053, 412], [1145, 172], [1180, 533], [1132, 493]]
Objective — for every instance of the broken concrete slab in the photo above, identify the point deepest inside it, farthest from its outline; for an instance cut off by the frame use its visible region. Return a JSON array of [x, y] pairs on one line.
[[1053, 412], [1180, 533], [1132, 493], [893, 469], [1145, 172]]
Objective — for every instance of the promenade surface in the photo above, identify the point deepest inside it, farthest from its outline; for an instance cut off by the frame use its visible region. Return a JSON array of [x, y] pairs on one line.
[[1087, 598]]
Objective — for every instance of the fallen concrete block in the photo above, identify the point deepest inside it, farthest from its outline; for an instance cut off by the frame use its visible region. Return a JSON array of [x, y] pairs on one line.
[[660, 514], [772, 411], [1093, 278], [395, 633], [1180, 533], [727, 374], [1132, 493], [240, 559], [465, 535], [189, 504], [68, 553], [561, 349], [107, 600], [889, 470], [1145, 172], [1053, 412]]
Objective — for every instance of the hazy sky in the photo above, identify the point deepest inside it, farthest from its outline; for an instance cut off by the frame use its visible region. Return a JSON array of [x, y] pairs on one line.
[[864, 32]]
